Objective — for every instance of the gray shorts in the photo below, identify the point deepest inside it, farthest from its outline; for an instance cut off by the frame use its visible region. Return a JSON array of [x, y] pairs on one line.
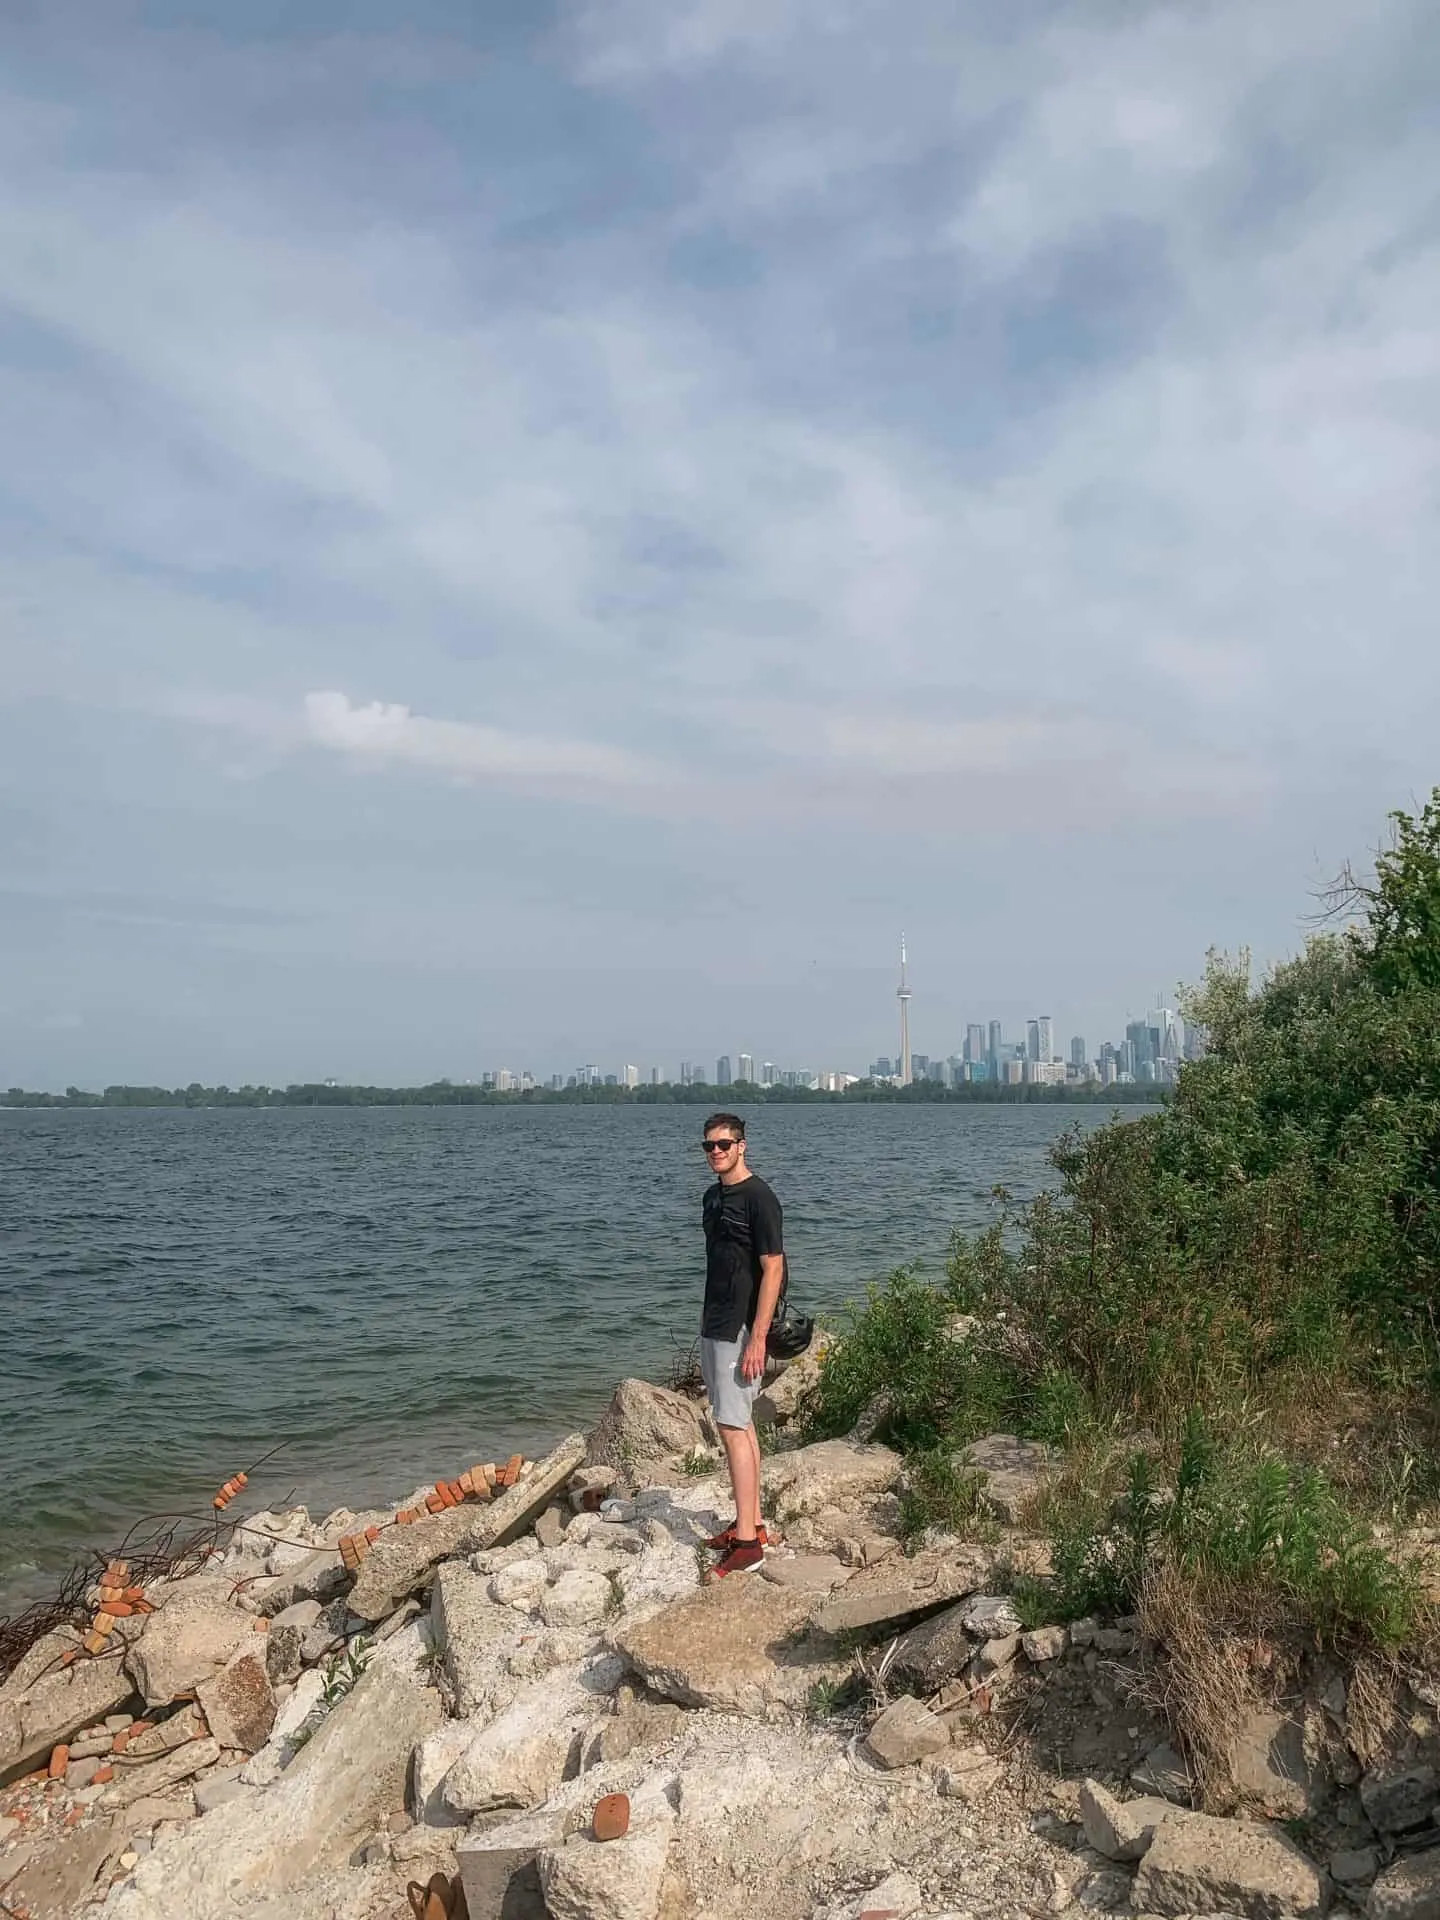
[[732, 1398]]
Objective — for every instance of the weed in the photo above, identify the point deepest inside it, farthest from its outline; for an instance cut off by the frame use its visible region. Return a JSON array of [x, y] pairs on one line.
[[941, 1493], [699, 1463], [615, 1603], [828, 1698]]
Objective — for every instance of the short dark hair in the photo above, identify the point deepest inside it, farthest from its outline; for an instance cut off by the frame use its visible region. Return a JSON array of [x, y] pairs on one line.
[[732, 1120]]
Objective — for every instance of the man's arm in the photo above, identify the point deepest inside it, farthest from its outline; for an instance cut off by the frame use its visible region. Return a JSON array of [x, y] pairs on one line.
[[772, 1274]]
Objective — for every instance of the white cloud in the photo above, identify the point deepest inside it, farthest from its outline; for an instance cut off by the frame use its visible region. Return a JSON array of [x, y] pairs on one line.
[[381, 732]]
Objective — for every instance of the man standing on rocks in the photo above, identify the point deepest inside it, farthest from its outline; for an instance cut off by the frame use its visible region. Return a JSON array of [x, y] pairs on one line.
[[744, 1278]]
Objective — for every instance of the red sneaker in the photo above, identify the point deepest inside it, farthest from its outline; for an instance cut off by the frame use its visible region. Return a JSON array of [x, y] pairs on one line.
[[742, 1556], [721, 1542]]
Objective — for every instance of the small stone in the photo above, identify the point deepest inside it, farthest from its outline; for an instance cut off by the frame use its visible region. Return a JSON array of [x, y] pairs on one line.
[[968, 1774], [1083, 1632], [1395, 1802], [1115, 1640], [1352, 1866], [129, 1859], [117, 1722], [998, 1653], [906, 1732], [1044, 1643], [519, 1585], [896, 1898], [80, 1773], [990, 1616], [550, 1527], [219, 1788], [576, 1600]]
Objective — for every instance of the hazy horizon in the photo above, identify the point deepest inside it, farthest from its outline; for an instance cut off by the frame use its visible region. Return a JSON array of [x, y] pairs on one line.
[[553, 537]]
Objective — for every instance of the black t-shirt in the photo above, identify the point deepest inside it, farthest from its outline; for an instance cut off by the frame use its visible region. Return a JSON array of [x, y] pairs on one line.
[[742, 1222]]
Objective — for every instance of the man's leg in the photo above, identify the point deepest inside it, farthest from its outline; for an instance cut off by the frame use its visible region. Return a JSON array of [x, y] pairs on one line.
[[742, 1456]]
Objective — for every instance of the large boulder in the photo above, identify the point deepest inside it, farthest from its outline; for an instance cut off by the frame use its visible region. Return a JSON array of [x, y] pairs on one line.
[[340, 1787], [1197, 1864], [191, 1637], [831, 1474], [645, 1429], [400, 1561], [55, 1704], [722, 1646]]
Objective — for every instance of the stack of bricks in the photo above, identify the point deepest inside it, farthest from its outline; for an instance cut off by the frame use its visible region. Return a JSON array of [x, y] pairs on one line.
[[476, 1483], [114, 1600]]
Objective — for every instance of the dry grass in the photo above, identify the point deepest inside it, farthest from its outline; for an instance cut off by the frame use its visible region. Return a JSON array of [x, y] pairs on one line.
[[1222, 1662]]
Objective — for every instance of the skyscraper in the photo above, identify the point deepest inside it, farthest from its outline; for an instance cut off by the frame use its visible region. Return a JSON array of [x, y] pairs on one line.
[[747, 1067], [722, 1071], [903, 996], [1047, 1037], [997, 1043], [1032, 1039], [974, 1043], [1077, 1051], [630, 1076]]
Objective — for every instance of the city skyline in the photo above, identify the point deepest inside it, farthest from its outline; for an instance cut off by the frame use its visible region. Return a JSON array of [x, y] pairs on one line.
[[1152, 1047]]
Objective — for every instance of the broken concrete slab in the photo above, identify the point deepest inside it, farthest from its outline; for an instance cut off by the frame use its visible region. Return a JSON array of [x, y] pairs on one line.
[[60, 1880], [239, 1703], [1396, 1801], [341, 1787], [779, 1399], [400, 1561], [1270, 1770], [1120, 1829], [722, 1646], [1199, 1864], [520, 1757], [832, 1473], [498, 1867], [587, 1879], [900, 1590], [56, 1704], [468, 1627], [936, 1650], [1014, 1471], [319, 1576], [809, 1572], [191, 1636], [181, 1763]]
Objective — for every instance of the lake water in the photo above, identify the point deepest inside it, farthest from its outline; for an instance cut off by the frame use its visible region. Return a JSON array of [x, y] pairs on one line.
[[387, 1294]]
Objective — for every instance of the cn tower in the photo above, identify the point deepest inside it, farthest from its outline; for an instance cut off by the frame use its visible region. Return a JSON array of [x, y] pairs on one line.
[[904, 998]]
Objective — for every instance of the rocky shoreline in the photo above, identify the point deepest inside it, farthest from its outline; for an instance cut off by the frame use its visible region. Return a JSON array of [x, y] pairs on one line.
[[301, 1732]]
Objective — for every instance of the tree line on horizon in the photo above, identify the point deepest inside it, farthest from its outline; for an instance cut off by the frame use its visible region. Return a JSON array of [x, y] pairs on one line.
[[448, 1093]]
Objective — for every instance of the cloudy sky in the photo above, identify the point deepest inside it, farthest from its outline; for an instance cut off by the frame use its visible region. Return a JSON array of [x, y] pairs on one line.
[[548, 532]]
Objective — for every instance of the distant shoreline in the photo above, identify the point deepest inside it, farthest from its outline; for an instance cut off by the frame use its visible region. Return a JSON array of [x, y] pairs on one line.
[[445, 1093]]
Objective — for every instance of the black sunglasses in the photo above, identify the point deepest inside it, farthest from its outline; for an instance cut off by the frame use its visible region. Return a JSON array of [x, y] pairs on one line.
[[718, 1146]]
